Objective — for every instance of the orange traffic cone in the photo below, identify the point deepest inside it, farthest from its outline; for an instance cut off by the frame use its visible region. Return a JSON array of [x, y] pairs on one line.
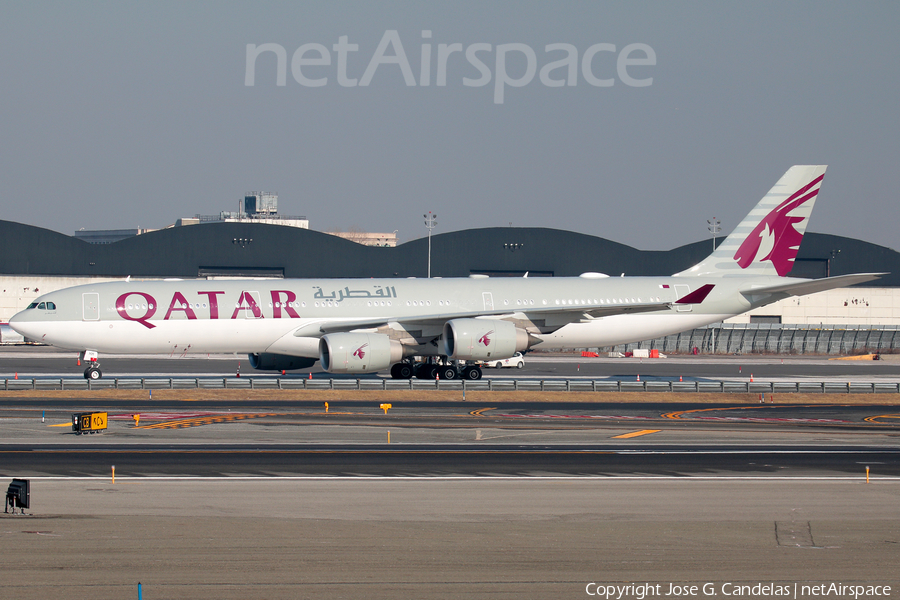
[[751, 377], [679, 378], [639, 378], [17, 374]]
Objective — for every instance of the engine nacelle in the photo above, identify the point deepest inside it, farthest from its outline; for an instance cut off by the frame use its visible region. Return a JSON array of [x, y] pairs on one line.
[[265, 361], [358, 352], [482, 339]]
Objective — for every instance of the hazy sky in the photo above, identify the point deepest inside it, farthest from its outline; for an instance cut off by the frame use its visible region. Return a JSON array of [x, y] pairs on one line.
[[126, 114]]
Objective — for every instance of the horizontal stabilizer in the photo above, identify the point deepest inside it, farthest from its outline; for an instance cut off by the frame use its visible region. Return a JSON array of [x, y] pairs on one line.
[[802, 287]]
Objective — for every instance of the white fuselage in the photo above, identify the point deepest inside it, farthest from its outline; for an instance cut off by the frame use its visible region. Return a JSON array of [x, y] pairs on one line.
[[288, 316]]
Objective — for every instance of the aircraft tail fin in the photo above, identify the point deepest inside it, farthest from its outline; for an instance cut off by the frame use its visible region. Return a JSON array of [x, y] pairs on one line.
[[766, 242]]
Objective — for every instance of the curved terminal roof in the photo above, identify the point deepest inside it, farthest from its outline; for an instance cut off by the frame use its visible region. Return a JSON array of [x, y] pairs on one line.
[[252, 249]]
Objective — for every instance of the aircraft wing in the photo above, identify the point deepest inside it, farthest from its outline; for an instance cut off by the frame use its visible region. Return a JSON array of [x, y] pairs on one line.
[[802, 287], [575, 313]]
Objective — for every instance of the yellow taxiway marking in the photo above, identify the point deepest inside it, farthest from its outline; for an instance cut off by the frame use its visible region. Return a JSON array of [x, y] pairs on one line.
[[205, 420], [480, 411], [635, 434], [226, 418], [209, 419], [875, 418], [678, 414]]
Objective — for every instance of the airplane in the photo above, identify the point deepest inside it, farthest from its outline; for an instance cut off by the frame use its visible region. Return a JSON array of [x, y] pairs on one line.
[[368, 325]]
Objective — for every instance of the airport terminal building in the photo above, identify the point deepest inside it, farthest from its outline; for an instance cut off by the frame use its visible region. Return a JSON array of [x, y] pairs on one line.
[[37, 260]]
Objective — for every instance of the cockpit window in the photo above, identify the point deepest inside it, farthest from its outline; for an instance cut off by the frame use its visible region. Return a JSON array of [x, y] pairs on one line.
[[42, 305]]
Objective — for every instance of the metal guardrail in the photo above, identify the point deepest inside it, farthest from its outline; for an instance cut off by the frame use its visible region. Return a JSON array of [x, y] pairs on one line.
[[772, 338], [544, 385]]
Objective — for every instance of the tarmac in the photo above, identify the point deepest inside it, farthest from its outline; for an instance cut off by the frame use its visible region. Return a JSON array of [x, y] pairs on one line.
[[444, 538], [540, 536]]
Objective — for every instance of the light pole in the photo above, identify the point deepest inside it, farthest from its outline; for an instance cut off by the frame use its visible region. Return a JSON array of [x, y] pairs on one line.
[[715, 226], [833, 254], [430, 223]]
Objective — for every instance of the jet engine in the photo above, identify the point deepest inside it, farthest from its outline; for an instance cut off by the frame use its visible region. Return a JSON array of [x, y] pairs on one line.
[[482, 339], [358, 352], [265, 361]]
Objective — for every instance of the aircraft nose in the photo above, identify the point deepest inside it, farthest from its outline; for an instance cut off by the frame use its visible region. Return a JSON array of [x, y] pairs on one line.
[[16, 319], [21, 324]]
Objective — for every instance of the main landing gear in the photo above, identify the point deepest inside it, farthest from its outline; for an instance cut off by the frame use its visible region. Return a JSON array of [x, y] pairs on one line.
[[429, 370]]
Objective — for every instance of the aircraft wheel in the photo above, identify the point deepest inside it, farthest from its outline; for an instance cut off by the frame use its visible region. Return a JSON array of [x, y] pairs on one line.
[[472, 373], [448, 373], [401, 371], [93, 373]]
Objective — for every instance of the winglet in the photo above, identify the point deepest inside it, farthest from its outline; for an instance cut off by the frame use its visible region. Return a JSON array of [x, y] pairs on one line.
[[697, 296]]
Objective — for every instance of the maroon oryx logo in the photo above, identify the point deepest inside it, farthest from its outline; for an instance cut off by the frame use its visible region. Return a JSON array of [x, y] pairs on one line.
[[775, 238], [485, 340], [359, 352]]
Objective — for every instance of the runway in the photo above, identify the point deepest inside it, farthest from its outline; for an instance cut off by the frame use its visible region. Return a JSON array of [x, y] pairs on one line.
[[265, 437], [534, 460]]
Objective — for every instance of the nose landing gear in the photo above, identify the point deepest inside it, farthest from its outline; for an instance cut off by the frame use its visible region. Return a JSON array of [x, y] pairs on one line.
[[93, 370]]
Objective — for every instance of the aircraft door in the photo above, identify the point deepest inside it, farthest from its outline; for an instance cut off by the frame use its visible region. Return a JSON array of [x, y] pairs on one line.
[[488, 300], [680, 292], [91, 306]]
